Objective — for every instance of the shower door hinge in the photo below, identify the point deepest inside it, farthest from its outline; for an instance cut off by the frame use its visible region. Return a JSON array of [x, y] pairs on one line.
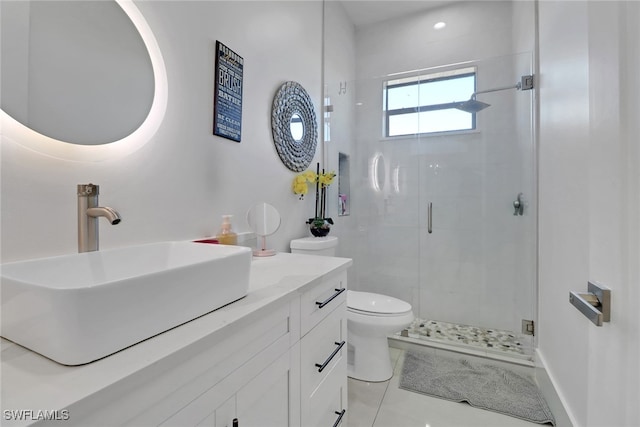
[[528, 327], [526, 82]]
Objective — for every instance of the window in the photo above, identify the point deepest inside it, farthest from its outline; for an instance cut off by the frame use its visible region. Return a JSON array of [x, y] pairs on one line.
[[426, 104]]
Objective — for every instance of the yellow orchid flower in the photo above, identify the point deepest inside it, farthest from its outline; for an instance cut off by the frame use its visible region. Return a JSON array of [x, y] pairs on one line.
[[310, 176], [327, 178], [300, 182], [299, 185]]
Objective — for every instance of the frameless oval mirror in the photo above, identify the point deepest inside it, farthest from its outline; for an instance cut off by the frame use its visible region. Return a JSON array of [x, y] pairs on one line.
[[264, 220], [297, 127], [75, 71]]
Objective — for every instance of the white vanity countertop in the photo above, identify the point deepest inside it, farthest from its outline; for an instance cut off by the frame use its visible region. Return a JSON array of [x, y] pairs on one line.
[[29, 381]]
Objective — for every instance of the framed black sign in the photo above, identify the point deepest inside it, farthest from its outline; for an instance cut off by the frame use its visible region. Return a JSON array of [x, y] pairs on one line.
[[227, 101]]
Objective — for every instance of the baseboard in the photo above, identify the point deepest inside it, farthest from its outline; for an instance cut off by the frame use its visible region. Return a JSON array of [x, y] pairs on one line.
[[551, 395]]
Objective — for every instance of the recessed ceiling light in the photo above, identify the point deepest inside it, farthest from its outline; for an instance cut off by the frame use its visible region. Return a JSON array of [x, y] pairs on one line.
[[440, 25]]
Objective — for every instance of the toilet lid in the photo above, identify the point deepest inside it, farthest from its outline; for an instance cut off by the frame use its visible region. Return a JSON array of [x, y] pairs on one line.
[[314, 243], [376, 303]]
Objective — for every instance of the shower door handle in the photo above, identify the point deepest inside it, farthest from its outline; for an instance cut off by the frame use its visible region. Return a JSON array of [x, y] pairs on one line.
[[430, 218]]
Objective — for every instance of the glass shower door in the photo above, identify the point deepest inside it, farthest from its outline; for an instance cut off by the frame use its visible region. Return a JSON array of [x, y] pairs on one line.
[[477, 266], [477, 191]]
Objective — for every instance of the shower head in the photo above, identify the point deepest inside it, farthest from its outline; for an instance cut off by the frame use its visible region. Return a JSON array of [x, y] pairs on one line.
[[472, 105]]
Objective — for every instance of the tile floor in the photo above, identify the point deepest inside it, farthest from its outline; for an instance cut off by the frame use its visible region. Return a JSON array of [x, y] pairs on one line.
[[385, 405]]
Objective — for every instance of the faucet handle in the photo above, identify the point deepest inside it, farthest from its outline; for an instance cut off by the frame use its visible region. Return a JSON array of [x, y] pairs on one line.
[[518, 205], [88, 189]]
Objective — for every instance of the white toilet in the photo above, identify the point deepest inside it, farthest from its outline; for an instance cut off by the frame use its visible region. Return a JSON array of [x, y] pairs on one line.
[[370, 318]]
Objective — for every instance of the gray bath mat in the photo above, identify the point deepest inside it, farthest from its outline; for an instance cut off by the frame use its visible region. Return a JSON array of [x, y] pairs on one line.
[[481, 385]]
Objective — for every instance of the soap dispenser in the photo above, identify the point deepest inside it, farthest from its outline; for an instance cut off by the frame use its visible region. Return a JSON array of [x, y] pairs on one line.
[[226, 235]]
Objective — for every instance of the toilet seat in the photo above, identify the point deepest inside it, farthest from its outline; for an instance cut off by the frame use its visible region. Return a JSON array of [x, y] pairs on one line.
[[370, 304]]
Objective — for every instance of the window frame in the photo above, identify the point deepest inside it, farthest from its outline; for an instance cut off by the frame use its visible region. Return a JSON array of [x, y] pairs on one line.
[[417, 81]]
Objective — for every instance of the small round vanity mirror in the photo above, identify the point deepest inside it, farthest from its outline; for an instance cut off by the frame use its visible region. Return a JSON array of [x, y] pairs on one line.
[[264, 220], [297, 127]]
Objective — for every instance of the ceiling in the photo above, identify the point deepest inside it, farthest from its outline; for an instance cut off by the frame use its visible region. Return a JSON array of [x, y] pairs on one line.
[[365, 12]]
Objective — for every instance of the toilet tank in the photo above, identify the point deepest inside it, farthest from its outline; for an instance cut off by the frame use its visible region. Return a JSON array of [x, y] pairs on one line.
[[325, 246]]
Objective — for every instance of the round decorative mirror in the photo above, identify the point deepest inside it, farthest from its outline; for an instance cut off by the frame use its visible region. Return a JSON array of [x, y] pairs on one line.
[[264, 220], [297, 127], [294, 126]]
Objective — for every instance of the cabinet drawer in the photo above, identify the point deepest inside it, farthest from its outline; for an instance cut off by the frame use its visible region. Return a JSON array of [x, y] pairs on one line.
[[322, 349], [318, 302], [328, 403]]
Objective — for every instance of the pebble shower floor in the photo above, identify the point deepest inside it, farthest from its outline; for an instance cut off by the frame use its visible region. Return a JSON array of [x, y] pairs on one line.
[[488, 339]]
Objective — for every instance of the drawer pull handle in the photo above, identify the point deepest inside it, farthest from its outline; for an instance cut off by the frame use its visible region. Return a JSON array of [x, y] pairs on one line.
[[339, 418], [328, 300], [326, 362]]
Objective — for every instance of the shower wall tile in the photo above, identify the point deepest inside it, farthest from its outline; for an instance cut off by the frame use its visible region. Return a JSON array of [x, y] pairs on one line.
[[498, 317], [390, 265], [400, 212], [439, 246]]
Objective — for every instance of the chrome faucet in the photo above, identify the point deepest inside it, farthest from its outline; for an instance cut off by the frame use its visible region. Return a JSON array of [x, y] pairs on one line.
[[88, 214]]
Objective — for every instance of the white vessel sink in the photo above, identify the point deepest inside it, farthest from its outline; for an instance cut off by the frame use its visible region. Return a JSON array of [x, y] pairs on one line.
[[78, 308]]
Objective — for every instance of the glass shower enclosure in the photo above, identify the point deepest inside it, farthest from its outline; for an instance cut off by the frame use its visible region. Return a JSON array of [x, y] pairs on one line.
[[442, 208]]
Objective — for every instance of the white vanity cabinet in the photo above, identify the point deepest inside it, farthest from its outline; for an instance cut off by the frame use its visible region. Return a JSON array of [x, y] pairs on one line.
[[250, 374], [306, 385], [265, 400], [323, 360], [275, 358]]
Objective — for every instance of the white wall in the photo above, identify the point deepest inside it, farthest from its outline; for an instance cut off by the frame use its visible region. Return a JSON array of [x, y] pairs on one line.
[[179, 184], [589, 205], [339, 69]]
